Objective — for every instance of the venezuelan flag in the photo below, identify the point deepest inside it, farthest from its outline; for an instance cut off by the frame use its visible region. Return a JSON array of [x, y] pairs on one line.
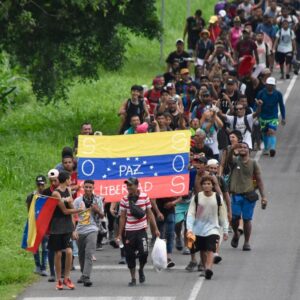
[[39, 216], [159, 160]]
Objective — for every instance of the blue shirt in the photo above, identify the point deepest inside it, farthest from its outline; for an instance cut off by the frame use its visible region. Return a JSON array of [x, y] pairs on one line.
[[270, 30], [269, 109]]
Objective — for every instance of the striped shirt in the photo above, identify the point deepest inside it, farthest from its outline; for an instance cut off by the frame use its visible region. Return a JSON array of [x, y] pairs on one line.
[[132, 223]]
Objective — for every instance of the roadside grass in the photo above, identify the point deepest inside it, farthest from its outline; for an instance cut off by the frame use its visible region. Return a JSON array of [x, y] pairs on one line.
[[32, 136]]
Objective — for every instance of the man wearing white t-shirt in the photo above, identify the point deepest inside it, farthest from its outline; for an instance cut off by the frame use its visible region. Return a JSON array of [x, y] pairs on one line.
[[285, 47], [243, 122]]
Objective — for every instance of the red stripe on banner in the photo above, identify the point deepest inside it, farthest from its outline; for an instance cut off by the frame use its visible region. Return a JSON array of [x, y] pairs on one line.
[[43, 221], [155, 187]]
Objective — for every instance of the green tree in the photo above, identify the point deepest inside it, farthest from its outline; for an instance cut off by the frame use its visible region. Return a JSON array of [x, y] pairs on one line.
[[59, 41]]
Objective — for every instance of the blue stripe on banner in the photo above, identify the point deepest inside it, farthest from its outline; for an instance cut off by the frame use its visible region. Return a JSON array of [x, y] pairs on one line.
[[142, 166], [39, 205], [25, 236]]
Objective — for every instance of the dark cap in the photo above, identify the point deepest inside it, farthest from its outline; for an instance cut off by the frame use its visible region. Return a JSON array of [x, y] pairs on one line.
[[202, 159], [132, 180], [40, 179], [230, 81]]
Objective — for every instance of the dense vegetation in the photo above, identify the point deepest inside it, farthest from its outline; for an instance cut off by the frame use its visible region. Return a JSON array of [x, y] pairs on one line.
[[32, 135]]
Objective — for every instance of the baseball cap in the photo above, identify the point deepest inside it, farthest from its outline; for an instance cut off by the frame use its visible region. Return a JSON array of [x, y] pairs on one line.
[[179, 41], [53, 173], [222, 13], [202, 159], [184, 71], [132, 180], [212, 162], [213, 19], [204, 31], [230, 81], [40, 179], [271, 81]]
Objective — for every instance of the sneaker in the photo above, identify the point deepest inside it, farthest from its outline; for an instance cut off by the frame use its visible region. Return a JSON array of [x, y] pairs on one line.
[[132, 282], [186, 251], [68, 282], [51, 279], [201, 268], [265, 152], [179, 245], [246, 247], [86, 281], [142, 277], [122, 261], [191, 266], [272, 152], [80, 280], [59, 285], [170, 264], [217, 259], [43, 273], [287, 76], [99, 247], [208, 274], [235, 241], [202, 273], [37, 270]]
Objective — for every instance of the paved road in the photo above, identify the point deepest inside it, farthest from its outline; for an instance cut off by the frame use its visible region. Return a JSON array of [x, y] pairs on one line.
[[269, 271]]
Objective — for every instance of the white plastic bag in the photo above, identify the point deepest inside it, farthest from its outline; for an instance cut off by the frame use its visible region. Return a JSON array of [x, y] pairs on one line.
[[159, 255]]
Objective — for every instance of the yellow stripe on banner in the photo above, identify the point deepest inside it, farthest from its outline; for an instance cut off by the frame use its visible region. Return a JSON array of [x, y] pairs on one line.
[[31, 223], [144, 144]]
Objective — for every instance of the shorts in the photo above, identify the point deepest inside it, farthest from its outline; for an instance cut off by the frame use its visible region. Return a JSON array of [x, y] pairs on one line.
[[282, 58], [242, 207], [59, 242], [181, 210], [205, 243], [268, 124]]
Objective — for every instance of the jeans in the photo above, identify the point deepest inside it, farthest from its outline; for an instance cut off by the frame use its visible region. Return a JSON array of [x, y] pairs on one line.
[[167, 230], [86, 250], [42, 264]]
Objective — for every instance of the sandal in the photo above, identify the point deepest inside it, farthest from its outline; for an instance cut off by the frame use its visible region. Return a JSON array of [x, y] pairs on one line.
[[235, 241]]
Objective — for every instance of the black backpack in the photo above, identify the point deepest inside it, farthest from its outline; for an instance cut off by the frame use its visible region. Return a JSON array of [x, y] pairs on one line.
[[246, 124], [218, 202]]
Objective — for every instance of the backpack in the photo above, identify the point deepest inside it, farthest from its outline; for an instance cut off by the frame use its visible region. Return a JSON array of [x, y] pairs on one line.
[[246, 124], [218, 202]]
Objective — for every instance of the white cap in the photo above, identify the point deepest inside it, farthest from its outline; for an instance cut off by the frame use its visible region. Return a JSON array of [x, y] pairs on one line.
[[53, 173], [222, 13], [212, 162], [271, 81], [179, 41]]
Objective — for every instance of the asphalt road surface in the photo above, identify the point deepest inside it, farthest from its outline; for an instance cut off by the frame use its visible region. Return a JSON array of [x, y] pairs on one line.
[[269, 271]]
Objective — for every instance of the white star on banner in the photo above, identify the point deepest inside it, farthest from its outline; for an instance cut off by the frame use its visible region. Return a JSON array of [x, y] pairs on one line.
[[104, 176], [127, 158], [114, 163], [108, 169], [151, 167], [155, 174], [136, 158], [144, 162]]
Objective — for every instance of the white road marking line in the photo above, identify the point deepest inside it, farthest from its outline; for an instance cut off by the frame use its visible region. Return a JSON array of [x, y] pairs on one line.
[[285, 99], [196, 289], [101, 298]]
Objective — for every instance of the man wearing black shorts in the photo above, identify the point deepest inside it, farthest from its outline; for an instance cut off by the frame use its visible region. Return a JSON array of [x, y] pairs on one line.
[[62, 228], [204, 219], [135, 236]]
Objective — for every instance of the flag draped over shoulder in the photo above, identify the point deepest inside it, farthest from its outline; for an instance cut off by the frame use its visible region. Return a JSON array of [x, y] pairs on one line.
[[159, 160], [39, 216]]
